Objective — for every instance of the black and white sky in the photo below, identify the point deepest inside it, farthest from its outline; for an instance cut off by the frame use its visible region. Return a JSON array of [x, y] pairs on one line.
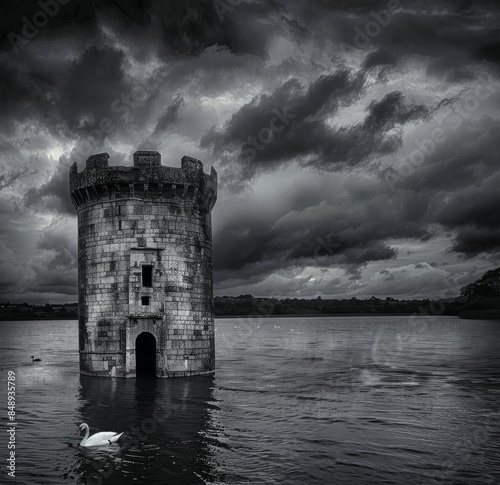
[[357, 142]]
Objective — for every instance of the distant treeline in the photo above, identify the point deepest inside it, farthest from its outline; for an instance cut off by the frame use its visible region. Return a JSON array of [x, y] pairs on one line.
[[480, 299], [248, 305], [23, 311]]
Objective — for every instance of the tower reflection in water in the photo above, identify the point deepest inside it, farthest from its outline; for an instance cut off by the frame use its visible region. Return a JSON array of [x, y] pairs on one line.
[[167, 425]]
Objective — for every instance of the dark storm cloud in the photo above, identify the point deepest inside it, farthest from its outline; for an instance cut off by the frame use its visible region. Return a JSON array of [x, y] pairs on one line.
[[291, 123], [382, 57], [54, 269], [472, 241], [190, 26], [7, 179], [451, 36], [10, 271], [52, 195], [467, 201], [19, 96], [173, 27], [489, 52], [474, 204], [66, 98], [93, 82], [73, 93], [62, 250], [344, 226], [171, 116]]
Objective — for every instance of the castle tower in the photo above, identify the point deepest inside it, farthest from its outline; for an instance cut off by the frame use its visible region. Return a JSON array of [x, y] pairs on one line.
[[144, 267]]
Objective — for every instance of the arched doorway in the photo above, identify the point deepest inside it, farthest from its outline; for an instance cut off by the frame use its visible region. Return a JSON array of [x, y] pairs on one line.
[[145, 355]]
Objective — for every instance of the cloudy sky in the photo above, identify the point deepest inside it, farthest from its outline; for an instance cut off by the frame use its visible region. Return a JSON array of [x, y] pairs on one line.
[[357, 142]]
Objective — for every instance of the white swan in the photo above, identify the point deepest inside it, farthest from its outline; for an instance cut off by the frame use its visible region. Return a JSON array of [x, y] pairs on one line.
[[98, 439]]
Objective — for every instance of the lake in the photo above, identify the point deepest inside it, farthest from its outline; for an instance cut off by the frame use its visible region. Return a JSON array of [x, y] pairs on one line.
[[327, 400]]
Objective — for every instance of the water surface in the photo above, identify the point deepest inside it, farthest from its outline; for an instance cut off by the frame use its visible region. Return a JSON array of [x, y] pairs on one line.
[[347, 400]]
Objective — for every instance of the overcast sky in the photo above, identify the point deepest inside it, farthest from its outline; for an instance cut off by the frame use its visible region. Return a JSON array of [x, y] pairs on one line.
[[357, 142]]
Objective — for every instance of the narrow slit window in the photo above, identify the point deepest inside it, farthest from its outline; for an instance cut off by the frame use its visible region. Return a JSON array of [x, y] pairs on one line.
[[145, 300], [119, 225], [147, 276]]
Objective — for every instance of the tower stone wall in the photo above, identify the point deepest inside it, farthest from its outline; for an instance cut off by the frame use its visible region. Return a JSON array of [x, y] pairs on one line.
[[144, 266]]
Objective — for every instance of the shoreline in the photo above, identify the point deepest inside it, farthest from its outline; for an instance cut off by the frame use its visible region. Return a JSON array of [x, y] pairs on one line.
[[298, 315], [258, 315]]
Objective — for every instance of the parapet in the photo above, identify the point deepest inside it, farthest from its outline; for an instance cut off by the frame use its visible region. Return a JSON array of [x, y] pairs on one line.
[[99, 161], [147, 178], [147, 159]]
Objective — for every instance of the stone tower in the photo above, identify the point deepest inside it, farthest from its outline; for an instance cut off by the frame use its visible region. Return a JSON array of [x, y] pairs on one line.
[[144, 267]]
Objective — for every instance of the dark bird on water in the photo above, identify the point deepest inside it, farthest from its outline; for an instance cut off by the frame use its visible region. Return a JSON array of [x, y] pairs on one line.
[[35, 360]]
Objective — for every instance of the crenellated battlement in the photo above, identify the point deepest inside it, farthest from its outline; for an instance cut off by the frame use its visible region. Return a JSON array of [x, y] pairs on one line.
[[146, 179]]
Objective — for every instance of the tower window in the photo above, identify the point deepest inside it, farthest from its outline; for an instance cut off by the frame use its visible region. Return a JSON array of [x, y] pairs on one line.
[[147, 276], [145, 300]]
